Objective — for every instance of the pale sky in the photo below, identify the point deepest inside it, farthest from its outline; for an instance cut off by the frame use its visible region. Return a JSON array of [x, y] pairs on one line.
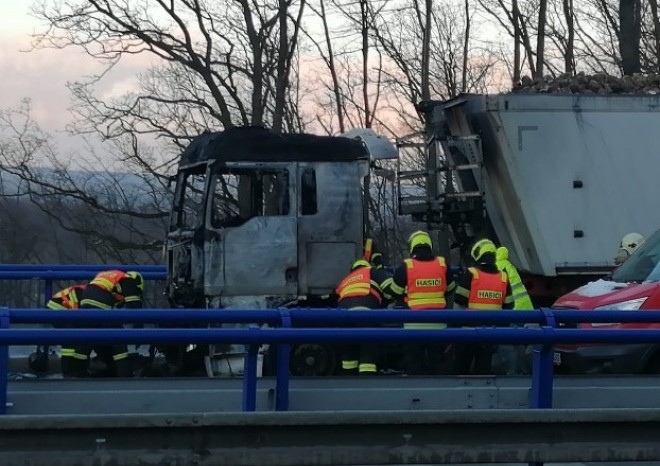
[[42, 75], [39, 75]]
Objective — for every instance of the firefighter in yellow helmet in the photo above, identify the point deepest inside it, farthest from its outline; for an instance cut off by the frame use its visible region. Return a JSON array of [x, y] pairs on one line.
[[361, 289], [482, 287], [111, 289], [422, 281], [67, 299]]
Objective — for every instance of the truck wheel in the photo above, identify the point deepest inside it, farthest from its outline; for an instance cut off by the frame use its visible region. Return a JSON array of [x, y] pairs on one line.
[[313, 360]]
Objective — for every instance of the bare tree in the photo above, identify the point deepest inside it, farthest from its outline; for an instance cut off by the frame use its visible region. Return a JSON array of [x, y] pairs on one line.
[[569, 56], [213, 66], [429, 51], [118, 212], [466, 48], [515, 20], [540, 38], [656, 31], [631, 29], [328, 57], [516, 41]]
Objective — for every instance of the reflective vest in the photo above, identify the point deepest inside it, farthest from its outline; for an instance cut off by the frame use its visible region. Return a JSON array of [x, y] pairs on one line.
[[357, 284], [522, 301], [68, 298], [426, 283], [425, 288], [109, 281], [487, 290]]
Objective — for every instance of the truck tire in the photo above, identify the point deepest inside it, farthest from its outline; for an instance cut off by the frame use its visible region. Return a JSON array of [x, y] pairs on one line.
[[313, 360]]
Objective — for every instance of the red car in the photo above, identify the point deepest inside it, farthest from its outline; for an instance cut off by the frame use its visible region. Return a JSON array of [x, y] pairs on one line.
[[634, 285]]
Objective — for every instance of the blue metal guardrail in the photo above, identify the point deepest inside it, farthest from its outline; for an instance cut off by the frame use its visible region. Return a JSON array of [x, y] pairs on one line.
[[287, 327], [51, 272]]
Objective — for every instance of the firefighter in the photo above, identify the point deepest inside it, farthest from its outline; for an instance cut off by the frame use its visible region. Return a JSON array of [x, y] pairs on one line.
[[361, 290], [377, 261], [512, 358], [482, 287], [110, 289], [375, 258], [66, 299], [422, 281], [629, 244], [522, 301]]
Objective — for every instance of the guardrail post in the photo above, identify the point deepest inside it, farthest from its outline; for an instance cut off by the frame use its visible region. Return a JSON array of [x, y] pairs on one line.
[[250, 377], [4, 363], [282, 367], [543, 372], [543, 368]]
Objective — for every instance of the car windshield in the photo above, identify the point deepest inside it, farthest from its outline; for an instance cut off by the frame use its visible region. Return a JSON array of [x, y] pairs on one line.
[[643, 265]]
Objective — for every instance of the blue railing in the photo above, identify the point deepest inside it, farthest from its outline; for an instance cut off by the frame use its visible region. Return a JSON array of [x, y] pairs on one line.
[[53, 272], [285, 329]]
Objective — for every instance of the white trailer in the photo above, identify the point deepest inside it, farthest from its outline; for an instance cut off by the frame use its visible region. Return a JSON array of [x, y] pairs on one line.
[[558, 179]]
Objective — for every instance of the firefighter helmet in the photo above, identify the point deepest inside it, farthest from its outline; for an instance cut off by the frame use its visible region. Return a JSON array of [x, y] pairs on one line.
[[137, 276], [419, 238], [631, 242], [482, 247], [360, 263]]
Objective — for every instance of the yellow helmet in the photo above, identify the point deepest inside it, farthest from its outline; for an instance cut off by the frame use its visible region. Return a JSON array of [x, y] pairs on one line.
[[360, 263], [482, 247], [419, 238], [137, 276]]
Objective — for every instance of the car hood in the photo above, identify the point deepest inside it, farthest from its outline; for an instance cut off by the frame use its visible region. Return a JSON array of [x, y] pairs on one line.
[[602, 293]]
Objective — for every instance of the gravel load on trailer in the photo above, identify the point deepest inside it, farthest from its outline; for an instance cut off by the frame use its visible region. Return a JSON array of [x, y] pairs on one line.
[[599, 83]]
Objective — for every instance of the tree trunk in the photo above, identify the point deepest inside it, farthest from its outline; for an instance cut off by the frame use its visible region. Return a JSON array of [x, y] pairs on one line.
[[524, 37], [516, 42], [656, 32], [540, 41], [257, 78], [426, 50], [365, 61], [333, 70], [630, 20], [466, 47], [281, 79], [569, 65]]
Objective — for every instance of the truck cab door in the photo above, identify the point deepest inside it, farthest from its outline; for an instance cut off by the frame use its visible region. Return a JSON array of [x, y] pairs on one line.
[[252, 230], [184, 240], [330, 223]]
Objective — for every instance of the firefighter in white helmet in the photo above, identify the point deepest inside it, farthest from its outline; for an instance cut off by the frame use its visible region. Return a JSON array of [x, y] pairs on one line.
[[629, 244]]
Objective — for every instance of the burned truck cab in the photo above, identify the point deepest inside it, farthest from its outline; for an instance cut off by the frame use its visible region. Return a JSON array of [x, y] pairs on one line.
[[264, 220]]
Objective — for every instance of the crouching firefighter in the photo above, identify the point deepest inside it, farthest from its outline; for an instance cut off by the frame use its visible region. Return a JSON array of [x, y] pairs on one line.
[[361, 289], [112, 289], [67, 299]]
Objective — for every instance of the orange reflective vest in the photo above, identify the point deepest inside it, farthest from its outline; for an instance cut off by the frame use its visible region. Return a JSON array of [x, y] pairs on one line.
[[357, 284], [487, 290], [426, 283], [68, 298], [108, 280]]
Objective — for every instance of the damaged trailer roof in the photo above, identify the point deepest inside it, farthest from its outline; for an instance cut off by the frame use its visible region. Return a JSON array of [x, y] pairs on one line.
[[257, 144]]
